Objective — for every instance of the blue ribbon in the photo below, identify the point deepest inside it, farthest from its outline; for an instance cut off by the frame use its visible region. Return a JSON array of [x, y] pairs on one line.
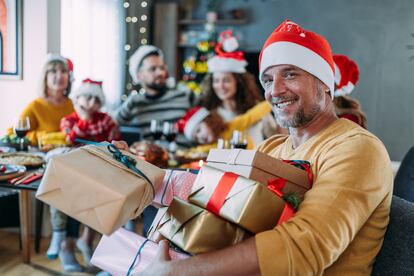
[[136, 256], [128, 161]]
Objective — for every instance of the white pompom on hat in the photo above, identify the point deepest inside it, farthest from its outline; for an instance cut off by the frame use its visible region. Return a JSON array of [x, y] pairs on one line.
[[227, 59], [290, 44], [137, 57], [89, 87]]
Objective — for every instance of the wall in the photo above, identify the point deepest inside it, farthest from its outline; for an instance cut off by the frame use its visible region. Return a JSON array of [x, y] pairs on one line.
[[16, 94], [374, 33]]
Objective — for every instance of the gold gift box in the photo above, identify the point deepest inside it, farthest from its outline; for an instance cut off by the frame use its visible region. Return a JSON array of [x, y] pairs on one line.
[[260, 167], [153, 233], [89, 185], [249, 204], [196, 230]]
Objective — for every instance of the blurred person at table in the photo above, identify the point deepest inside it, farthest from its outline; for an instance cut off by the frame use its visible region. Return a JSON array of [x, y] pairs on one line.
[[229, 90], [87, 122], [53, 103], [346, 77], [155, 100], [206, 127], [340, 225]]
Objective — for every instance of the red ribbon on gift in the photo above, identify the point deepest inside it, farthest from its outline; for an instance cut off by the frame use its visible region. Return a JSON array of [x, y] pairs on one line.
[[219, 195], [276, 185]]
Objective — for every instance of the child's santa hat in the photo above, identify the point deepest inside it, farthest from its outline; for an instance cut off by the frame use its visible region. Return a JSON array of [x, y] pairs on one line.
[[89, 87], [191, 119], [227, 59], [346, 75], [140, 54], [68, 62], [290, 44]]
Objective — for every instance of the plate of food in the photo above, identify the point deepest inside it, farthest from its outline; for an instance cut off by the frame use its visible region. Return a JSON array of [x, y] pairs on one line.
[[10, 171], [22, 159], [188, 156], [151, 153]]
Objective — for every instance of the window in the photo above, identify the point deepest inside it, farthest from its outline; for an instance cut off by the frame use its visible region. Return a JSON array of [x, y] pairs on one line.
[[93, 36]]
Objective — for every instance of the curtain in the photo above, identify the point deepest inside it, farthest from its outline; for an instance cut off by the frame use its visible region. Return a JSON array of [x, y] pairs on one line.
[[93, 37]]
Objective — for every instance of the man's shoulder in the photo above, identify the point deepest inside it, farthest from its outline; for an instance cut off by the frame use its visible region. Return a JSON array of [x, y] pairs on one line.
[[272, 142]]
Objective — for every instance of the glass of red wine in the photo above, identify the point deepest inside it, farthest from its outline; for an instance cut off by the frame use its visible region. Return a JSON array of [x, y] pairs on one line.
[[238, 140], [156, 130], [21, 127], [170, 131]]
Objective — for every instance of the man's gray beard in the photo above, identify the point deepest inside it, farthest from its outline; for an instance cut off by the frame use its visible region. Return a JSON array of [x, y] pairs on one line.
[[157, 87], [300, 118]]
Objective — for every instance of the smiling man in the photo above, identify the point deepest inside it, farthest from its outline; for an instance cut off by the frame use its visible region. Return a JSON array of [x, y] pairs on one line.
[[340, 225]]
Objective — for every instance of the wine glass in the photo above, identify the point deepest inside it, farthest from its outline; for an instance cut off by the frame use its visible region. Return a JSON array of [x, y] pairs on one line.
[[21, 127], [156, 130], [223, 143], [170, 131], [238, 140]]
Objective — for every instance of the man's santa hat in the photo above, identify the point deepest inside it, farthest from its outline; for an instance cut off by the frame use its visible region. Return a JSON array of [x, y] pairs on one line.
[[140, 54], [89, 87], [68, 62], [227, 59], [191, 119], [290, 44], [346, 75]]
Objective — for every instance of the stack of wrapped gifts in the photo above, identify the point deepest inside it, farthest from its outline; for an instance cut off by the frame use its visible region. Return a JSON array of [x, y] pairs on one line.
[[237, 194]]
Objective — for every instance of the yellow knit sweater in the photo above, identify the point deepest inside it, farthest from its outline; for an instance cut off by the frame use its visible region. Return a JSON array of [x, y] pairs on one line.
[[241, 122], [45, 117], [339, 227]]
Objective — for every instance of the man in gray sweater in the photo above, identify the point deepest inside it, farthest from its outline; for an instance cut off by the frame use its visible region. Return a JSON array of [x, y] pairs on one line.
[[154, 101]]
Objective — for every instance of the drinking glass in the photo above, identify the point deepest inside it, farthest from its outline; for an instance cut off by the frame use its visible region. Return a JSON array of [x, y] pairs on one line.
[[156, 129], [170, 131], [21, 127], [239, 140]]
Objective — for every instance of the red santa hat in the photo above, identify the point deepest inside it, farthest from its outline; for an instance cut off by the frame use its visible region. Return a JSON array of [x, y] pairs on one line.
[[89, 87], [68, 62], [191, 119], [140, 54], [227, 59], [290, 44], [346, 75]]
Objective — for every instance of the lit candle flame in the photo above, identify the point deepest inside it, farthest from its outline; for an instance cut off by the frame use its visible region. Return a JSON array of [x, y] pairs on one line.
[[200, 163]]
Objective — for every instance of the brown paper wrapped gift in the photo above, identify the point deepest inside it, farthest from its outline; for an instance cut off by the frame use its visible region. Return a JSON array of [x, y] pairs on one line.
[[89, 185], [260, 167], [195, 230], [237, 199]]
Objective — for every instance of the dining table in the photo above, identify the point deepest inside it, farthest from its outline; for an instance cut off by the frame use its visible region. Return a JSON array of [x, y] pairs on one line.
[[24, 191]]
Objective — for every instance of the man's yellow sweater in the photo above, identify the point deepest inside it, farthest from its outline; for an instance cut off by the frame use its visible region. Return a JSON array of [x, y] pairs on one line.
[[45, 117], [340, 226]]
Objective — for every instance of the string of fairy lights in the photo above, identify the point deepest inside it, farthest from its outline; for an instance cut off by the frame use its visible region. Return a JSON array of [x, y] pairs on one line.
[[137, 20]]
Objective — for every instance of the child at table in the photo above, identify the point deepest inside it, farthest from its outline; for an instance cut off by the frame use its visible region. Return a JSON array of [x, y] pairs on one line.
[[90, 124], [205, 127]]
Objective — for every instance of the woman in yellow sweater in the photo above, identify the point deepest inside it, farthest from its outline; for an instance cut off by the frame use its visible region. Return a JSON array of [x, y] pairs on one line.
[[53, 103]]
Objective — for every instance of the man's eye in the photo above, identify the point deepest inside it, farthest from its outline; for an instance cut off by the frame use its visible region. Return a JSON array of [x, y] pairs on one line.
[[290, 75], [267, 83]]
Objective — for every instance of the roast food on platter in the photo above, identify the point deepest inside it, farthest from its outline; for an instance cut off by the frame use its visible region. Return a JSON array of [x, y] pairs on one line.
[[188, 156], [152, 153]]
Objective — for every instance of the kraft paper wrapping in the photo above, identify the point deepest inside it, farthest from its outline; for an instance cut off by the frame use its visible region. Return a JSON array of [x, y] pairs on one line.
[[260, 167], [249, 204], [116, 253], [195, 230], [89, 185]]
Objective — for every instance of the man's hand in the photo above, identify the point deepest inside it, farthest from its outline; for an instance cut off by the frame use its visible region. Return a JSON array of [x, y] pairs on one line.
[[121, 145], [161, 264]]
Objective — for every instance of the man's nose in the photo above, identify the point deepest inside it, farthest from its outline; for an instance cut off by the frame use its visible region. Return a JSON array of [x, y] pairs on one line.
[[278, 88]]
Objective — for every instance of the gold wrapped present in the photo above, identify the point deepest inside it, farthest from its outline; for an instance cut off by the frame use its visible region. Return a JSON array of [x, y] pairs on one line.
[[153, 233], [235, 198], [195, 230], [99, 185], [260, 167]]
